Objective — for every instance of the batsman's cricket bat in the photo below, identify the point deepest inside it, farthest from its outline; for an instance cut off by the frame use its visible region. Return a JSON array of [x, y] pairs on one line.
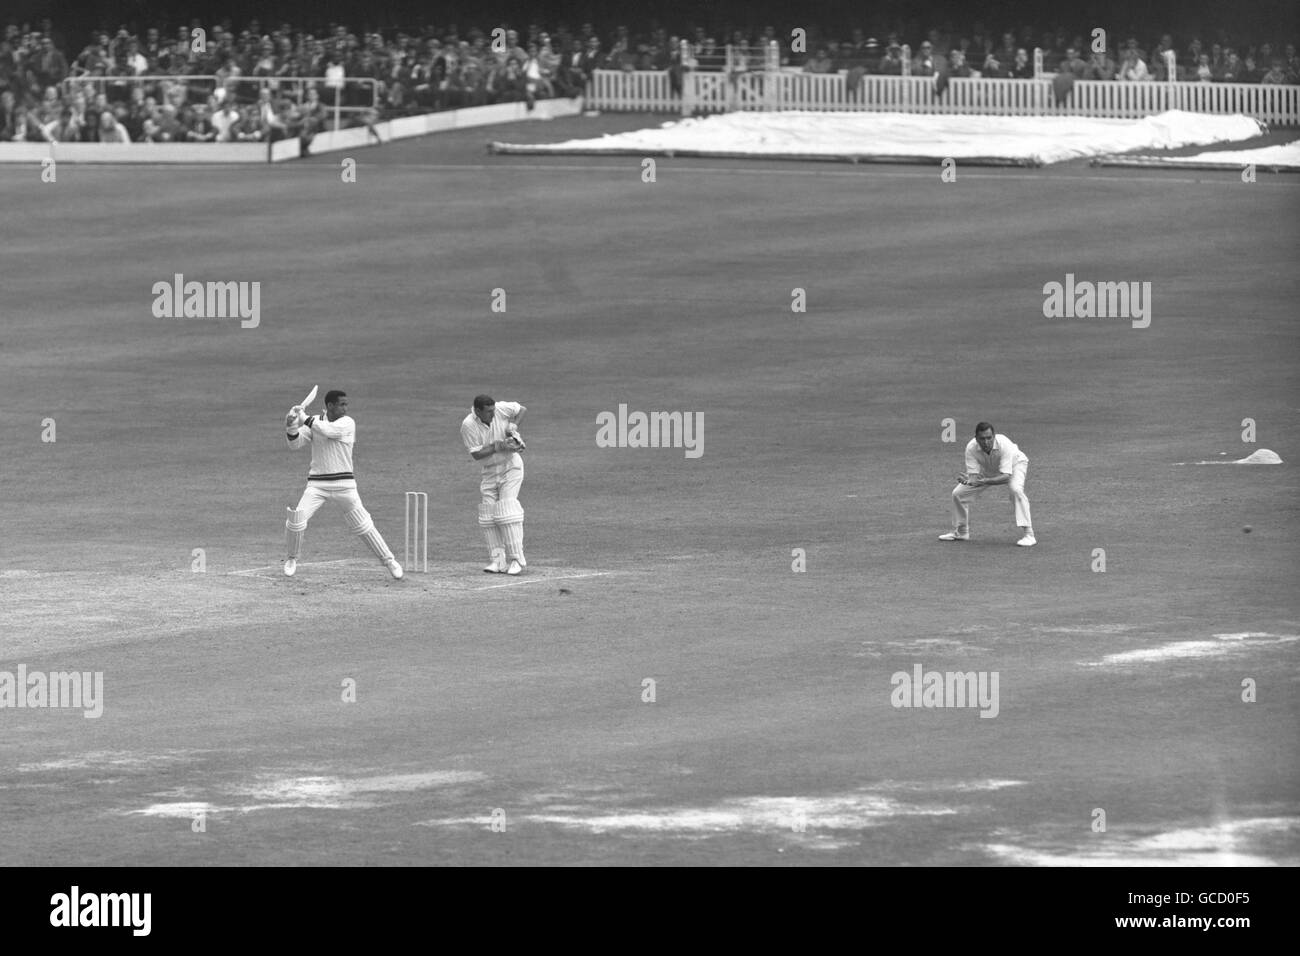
[[311, 397]]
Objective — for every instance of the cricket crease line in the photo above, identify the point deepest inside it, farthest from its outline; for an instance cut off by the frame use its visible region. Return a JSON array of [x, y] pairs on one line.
[[557, 577], [303, 564], [376, 569]]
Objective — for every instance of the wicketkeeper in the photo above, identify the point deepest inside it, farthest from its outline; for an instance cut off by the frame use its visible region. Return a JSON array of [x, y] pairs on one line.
[[491, 435], [991, 460], [330, 479]]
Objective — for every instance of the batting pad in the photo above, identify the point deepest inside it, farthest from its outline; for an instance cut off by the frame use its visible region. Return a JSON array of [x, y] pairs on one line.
[[507, 512], [496, 542], [509, 516], [295, 528], [360, 523]]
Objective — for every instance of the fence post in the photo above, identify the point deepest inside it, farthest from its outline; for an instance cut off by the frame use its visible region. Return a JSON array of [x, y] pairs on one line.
[[907, 60], [688, 78], [772, 76], [1038, 62]]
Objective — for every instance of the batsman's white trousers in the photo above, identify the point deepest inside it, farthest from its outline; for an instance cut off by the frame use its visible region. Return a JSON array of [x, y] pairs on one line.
[[502, 482], [359, 522], [962, 494], [316, 494]]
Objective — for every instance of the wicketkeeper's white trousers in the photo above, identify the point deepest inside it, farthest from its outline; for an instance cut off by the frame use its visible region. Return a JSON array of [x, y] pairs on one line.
[[501, 482], [962, 494], [500, 515]]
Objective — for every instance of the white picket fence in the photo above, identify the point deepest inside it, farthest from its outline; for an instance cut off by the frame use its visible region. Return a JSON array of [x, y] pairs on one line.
[[642, 91], [709, 92]]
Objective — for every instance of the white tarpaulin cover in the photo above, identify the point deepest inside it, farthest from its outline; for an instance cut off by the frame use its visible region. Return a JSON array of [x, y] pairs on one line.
[[1031, 140], [1268, 157]]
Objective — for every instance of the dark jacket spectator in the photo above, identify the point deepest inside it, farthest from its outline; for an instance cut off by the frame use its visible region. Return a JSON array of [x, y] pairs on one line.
[[819, 62], [570, 80], [199, 128], [138, 110], [1074, 65], [1005, 51], [169, 129], [8, 105], [151, 48], [891, 64], [65, 129], [51, 67], [1231, 70], [1100, 67], [1022, 68], [869, 55], [925, 63], [1276, 74], [993, 68], [93, 61]]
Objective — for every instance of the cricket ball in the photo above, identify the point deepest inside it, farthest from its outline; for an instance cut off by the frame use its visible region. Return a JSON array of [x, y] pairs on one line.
[[1246, 529]]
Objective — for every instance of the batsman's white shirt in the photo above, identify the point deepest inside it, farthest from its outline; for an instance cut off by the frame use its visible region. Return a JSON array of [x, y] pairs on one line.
[[1002, 460], [331, 448], [475, 435]]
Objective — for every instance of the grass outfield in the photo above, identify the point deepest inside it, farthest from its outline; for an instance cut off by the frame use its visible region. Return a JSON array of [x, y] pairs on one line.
[[772, 738]]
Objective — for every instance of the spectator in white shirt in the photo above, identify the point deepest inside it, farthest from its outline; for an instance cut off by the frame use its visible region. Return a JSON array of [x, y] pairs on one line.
[[110, 130], [224, 120], [1133, 69], [136, 64]]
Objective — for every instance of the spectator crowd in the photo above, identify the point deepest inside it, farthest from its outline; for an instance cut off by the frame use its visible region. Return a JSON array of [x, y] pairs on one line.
[[1011, 55], [267, 82]]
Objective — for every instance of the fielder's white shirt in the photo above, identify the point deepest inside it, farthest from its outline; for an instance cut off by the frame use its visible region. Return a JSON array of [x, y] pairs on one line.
[[475, 434], [331, 447], [1000, 461]]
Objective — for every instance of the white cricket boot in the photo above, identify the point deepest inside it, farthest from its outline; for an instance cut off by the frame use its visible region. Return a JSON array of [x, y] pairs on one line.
[[290, 567], [498, 563], [514, 568], [1028, 541], [955, 536]]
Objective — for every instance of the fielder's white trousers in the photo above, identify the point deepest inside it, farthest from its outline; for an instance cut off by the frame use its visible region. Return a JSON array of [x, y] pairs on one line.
[[962, 495]]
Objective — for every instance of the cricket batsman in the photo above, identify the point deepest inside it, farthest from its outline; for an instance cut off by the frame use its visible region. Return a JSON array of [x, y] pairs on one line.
[[491, 436], [330, 478], [991, 460]]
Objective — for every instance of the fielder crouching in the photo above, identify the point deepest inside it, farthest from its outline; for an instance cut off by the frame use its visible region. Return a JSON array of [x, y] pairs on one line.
[[491, 436], [991, 460], [331, 438]]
